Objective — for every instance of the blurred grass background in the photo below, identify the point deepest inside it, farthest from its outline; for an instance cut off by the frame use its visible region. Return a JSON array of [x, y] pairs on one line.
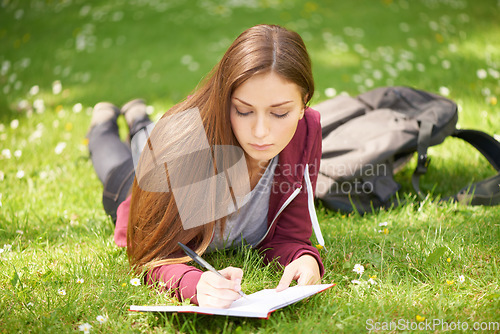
[[59, 58]]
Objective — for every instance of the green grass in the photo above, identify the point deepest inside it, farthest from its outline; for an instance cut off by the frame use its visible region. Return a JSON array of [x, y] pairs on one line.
[[52, 216]]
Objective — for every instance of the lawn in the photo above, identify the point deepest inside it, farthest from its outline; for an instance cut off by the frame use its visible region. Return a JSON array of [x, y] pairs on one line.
[[431, 263]]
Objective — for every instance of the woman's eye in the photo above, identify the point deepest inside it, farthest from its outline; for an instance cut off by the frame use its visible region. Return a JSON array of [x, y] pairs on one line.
[[239, 113], [283, 115]]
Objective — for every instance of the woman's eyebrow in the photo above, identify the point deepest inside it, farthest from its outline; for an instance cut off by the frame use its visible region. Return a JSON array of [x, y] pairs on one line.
[[272, 106]]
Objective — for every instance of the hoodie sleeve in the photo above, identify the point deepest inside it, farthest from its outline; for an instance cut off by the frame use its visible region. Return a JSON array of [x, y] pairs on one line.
[[179, 279], [293, 230]]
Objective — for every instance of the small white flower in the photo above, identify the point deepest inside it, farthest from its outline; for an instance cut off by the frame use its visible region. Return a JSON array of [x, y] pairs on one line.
[[359, 269], [29, 304], [36, 134], [18, 153], [20, 174], [6, 153], [372, 281], [85, 10], [330, 92], [14, 124], [80, 281], [19, 14], [56, 87], [162, 284], [193, 66], [34, 90], [102, 319], [19, 232], [7, 247], [60, 147], [2, 250], [61, 292], [486, 91], [355, 281], [25, 62], [135, 281], [481, 73], [77, 108], [5, 67], [494, 73], [445, 91], [2, 176], [23, 104], [382, 224], [461, 278], [377, 74], [39, 105], [85, 328], [186, 59]]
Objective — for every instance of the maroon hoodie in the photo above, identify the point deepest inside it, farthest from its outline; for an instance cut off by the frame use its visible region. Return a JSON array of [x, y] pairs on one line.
[[289, 216]]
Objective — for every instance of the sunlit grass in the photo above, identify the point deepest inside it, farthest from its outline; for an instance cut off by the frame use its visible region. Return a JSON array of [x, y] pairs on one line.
[[53, 230]]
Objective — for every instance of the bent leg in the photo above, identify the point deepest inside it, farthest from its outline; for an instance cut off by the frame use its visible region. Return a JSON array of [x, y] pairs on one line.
[[107, 151], [112, 161]]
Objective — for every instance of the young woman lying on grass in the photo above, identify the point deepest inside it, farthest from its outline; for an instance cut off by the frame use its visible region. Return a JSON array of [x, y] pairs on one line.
[[254, 99]]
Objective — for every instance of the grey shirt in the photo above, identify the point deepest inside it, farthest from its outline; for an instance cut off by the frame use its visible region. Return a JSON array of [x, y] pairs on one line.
[[249, 223]]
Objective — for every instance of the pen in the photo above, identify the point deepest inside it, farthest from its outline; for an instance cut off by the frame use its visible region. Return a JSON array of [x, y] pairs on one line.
[[196, 258]]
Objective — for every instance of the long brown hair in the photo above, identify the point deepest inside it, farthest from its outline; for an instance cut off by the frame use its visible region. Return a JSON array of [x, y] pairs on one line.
[[155, 226]]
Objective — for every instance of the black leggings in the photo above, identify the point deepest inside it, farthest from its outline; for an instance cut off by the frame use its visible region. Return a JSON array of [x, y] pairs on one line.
[[113, 161]]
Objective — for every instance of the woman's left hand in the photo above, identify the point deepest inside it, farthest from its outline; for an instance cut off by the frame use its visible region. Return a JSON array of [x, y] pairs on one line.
[[305, 270]]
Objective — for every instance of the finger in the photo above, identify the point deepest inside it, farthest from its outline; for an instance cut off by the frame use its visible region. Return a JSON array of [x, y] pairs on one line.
[[210, 295], [216, 283], [232, 273], [288, 275], [306, 278]]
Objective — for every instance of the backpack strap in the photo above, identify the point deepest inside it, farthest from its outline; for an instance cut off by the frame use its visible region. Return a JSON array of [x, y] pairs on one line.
[[423, 142], [485, 192], [484, 143]]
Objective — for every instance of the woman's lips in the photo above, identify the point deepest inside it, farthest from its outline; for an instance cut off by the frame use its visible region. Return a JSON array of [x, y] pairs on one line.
[[261, 147]]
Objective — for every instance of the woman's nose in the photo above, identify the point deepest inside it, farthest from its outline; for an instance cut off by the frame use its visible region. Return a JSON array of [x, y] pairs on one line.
[[261, 127]]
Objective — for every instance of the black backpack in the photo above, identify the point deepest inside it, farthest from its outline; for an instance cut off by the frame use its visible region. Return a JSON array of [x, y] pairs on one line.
[[368, 138]]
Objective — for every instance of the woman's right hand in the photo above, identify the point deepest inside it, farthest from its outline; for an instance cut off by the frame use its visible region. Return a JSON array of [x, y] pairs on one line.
[[219, 292]]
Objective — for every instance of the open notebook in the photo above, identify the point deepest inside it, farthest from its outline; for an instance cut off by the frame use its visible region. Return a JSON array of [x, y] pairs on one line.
[[256, 305]]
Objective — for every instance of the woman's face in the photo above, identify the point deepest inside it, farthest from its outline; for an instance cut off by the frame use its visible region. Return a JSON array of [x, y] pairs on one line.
[[265, 111]]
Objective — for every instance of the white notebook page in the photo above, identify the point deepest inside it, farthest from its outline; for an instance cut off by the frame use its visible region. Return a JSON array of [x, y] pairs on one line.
[[258, 304]]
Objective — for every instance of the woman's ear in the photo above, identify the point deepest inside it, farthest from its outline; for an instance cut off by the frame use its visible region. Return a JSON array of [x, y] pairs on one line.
[[301, 114], [306, 98]]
